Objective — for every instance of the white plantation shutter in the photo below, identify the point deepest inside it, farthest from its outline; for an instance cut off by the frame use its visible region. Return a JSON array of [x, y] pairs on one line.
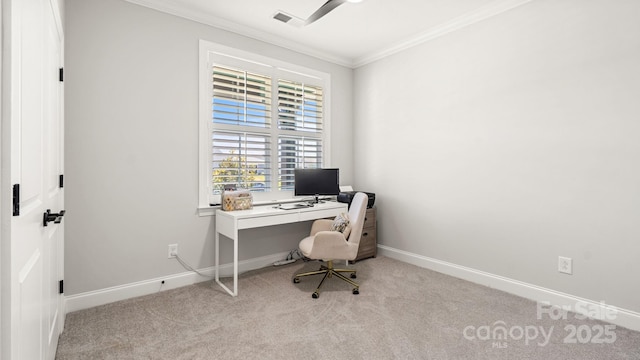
[[264, 118], [297, 152], [241, 98], [299, 110], [241, 159], [299, 106]]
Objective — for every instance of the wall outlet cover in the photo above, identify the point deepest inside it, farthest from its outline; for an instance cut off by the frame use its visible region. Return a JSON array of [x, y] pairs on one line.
[[565, 265], [173, 251]]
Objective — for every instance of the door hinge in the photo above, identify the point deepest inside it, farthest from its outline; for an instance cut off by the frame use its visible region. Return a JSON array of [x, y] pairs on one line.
[[61, 183], [61, 287], [16, 200], [61, 74]]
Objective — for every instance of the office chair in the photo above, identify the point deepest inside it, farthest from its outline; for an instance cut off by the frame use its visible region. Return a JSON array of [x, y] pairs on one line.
[[327, 245]]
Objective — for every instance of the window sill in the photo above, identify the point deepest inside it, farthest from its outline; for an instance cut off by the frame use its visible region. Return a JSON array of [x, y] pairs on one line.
[[208, 210]]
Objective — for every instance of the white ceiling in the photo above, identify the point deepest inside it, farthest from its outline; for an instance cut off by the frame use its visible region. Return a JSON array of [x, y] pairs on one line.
[[353, 34]]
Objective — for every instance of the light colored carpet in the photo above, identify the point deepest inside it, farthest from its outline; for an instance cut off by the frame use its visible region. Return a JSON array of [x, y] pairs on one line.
[[402, 312]]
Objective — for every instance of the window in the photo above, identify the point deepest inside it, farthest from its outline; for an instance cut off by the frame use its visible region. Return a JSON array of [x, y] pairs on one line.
[[299, 114], [259, 120]]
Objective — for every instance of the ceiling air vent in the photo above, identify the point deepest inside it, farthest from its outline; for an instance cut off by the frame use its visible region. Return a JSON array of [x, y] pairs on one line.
[[282, 17], [322, 11], [289, 19]]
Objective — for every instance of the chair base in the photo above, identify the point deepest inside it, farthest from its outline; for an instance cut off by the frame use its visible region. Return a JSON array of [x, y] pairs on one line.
[[330, 271]]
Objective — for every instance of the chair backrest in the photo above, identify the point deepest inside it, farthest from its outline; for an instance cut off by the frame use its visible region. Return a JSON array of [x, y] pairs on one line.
[[357, 213]]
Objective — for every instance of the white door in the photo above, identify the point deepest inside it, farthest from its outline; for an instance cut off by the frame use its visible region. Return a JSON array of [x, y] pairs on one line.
[[35, 113]]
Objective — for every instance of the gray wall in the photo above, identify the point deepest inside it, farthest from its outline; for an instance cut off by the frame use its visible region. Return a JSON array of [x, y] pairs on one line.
[[131, 182], [508, 143], [522, 145]]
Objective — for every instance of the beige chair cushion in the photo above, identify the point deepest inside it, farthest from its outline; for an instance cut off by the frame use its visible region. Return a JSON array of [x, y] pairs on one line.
[[306, 245]]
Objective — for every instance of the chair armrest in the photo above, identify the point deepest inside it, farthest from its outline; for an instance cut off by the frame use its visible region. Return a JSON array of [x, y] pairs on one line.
[[321, 225]]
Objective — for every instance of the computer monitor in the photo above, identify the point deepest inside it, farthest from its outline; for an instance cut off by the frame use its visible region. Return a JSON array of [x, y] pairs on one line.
[[316, 182]]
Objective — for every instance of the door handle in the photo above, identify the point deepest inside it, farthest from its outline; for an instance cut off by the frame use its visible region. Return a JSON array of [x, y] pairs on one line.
[[49, 216]]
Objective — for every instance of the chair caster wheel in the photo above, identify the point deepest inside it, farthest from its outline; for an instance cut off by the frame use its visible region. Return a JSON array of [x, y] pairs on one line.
[[315, 295], [296, 280], [353, 275], [356, 291]]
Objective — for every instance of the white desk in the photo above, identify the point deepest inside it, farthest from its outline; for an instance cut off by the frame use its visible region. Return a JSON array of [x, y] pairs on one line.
[[228, 223]]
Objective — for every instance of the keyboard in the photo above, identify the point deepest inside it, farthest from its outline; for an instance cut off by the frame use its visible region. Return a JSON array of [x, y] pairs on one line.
[[293, 206]]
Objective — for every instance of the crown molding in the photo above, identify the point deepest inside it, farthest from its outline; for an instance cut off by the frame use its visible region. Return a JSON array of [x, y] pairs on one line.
[[470, 18], [226, 25]]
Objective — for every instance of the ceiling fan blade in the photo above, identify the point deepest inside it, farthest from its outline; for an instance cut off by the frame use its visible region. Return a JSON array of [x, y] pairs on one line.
[[324, 10]]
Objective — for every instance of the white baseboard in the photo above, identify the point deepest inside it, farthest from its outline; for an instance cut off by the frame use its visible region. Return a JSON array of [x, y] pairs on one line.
[[626, 318], [105, 296], [606, 312]]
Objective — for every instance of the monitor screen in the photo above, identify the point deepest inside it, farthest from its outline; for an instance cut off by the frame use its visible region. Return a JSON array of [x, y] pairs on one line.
[[313, 182]]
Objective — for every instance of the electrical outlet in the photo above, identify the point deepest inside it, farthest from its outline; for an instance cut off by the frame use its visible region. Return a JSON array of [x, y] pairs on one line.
[[173, 250], [565, 265]]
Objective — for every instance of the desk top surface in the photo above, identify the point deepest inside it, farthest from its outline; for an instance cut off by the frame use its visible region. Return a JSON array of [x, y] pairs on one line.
[[272, 210]]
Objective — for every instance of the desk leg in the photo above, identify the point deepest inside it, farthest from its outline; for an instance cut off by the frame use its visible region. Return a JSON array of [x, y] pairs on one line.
[[217, 257], [235, 264]]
